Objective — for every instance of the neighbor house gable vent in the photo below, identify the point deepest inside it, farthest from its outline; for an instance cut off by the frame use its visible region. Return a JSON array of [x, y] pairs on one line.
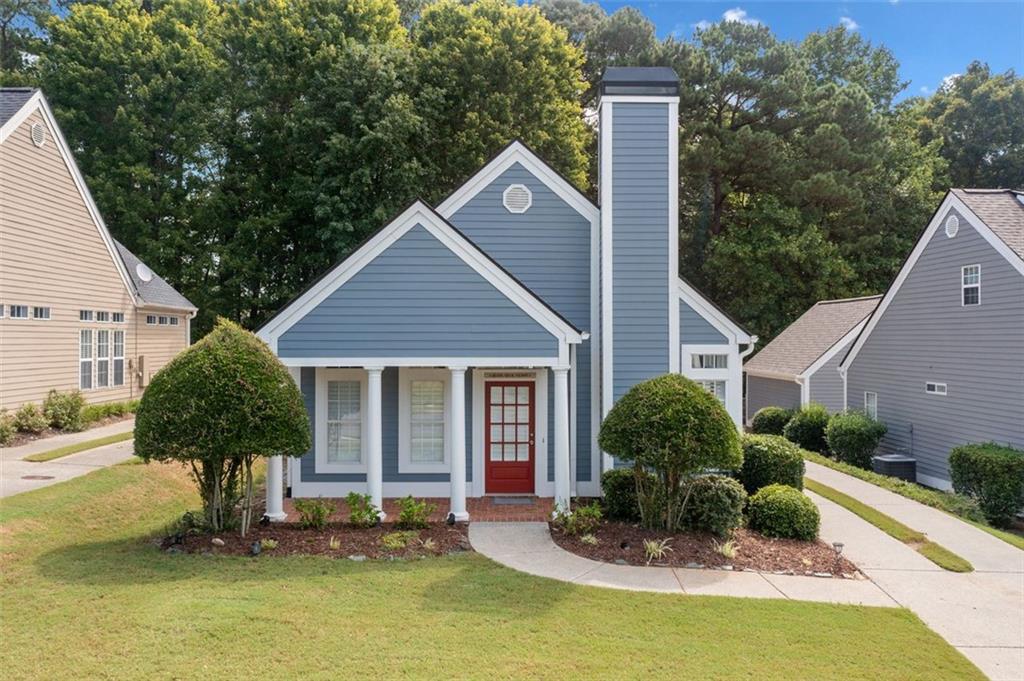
[[952, 226], [517, 198], [38, 133]]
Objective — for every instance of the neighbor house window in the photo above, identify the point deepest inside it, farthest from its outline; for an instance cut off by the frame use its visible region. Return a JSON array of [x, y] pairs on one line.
[[344, 422], [971, 278], [871, 405], [118, 317], [102, 358], [85, 315], [174, 321], [151, 319], [85, 359], [18, 311], [426, 422], [118, 357], [935, 388], [40, 313], [102, 316], [162, 321], [716, 388], [702, 361]]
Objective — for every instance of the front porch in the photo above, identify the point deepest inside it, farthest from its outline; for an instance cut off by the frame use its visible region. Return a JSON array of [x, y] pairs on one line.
[[480, 509]]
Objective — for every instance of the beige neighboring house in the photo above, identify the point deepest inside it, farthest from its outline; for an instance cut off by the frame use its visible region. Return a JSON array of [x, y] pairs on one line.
[[77, 309]]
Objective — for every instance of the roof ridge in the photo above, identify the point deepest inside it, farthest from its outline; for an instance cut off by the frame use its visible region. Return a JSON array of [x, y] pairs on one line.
[[848, 300]]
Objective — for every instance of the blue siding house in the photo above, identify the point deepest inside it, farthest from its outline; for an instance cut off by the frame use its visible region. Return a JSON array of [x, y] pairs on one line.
[[472, 348]]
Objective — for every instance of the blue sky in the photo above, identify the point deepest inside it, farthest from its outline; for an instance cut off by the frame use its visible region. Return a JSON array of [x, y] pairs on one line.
[[931, 40]]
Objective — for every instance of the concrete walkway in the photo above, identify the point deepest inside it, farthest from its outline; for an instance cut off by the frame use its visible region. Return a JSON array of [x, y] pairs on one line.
[[13, 469], [528, 547], [981, 613]]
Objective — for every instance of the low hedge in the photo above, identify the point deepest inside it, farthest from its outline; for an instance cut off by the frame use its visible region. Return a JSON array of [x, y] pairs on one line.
[[994, 475], [853, 437], [619, 488], [7, 429], [770, 459], [64, 410], [807, 428], [770, 420], [97, 412], [715, 505], [782, 511], [30, 419]]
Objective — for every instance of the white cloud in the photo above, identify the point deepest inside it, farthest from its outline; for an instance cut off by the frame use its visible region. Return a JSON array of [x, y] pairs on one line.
[[848, 23], [740, 16], [702, 25], [948, 81], [925, 90]]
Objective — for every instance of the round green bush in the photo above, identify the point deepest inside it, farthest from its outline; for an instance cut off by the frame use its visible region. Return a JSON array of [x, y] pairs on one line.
[[769, 460], [65, 410], [7, 429], [782, 511], [619, 488], [994, 475], [715, 505], [853, 437], [29, 419], [807, 428], [770, 420]]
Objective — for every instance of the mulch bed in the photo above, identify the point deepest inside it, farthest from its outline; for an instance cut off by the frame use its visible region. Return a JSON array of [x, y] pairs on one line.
[[623, 543], [356, 543], [25, 438]]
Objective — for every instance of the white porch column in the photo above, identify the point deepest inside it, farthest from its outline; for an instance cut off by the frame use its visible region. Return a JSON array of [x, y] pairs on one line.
[[374, 447], [563, 484], [275, 488], [458, 430]]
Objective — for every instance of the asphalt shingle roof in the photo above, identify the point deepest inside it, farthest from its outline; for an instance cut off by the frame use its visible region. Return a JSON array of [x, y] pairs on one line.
[[12, 99], [1001, 209], [156, 291], [810, 336]]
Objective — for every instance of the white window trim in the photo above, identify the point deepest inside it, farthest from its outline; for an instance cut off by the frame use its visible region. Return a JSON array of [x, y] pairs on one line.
[[964, 287], [320, 430], [123, 320], [114, 357], [406, 375], [89, 319], [151, 323], [28, 311], [91, 359], [47, 308], [733, 375], [866, 410], [941, 393], [99, 358]]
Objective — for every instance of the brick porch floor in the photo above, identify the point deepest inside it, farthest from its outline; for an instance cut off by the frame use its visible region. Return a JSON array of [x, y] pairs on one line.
[[481, 509]]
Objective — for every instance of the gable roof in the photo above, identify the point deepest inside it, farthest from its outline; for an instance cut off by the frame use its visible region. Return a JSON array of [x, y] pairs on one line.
[[155, 291], [818, 330], [12, 99], [420, 213], [1001, 209]]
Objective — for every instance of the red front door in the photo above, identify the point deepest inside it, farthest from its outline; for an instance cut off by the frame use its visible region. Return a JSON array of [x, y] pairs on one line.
[[508, 443]]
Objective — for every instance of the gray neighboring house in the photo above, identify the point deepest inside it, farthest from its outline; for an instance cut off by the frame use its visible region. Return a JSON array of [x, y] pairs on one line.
[[801, 365], [940, 360]]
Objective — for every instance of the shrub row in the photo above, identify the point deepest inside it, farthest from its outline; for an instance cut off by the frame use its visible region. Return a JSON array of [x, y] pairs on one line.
[[850, 436], [65, 411], [994, 475]]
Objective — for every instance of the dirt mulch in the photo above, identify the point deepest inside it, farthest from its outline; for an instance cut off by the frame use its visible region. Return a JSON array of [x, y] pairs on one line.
[[623, 543], [26, 438], [356, 543]]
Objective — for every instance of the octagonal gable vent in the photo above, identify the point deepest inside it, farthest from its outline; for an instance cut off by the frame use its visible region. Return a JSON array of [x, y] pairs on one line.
[[517, 198], [38, 133], [952, 226]]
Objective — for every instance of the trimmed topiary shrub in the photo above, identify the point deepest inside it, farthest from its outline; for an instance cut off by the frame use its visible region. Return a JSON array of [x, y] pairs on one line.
[[7, 429], [770, 420], [64, 410], [715, 505], [217, 407], [619, 488], [853, 437], [994, 475], [807, 428], [782, 511], [674, 428], [769, 460], [29, 419]]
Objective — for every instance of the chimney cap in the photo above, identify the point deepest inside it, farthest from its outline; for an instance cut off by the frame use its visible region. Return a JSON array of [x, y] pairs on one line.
[[656, 81]]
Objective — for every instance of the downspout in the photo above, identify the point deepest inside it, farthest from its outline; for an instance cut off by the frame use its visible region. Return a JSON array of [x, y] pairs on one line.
[[743, 375]]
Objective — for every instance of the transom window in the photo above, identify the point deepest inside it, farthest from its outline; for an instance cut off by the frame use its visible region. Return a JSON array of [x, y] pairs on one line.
[[162, 321], [118, 317], [971, 284], [716, 388], [708, 361], [935, 388], [344, 422], [85, 315], [871, 405], [19, 311], [151, 319], [426, 422], [85, 359], [102, 316], [174, 321], [40, 313]]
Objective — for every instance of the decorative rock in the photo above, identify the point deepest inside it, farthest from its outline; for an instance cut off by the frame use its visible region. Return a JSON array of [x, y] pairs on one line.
[[695, 566], [359, 558], [217, 541], [621, 561], [823, 574], [726, 567]]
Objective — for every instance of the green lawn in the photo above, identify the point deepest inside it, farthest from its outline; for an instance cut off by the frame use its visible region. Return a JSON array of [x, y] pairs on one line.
[[58, 452], [84, 593]]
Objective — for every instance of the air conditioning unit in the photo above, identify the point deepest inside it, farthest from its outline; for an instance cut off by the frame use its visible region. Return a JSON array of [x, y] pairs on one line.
[[896, 466]]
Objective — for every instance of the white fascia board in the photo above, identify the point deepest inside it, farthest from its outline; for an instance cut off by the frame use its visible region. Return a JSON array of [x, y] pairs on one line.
[[639, 99], [516, 152], [774, 375], [836, 348], [420, 214], [38, 103], [950, 201], [673, 236], [606, 245], [709, 312], [460, 361]]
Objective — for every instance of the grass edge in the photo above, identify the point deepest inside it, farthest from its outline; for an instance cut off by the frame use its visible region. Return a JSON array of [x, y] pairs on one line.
[[77, 447]]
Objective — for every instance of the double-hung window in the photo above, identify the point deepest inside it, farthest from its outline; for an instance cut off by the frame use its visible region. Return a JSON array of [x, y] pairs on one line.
[[344, 422], [871, 405], [85, 359], [118, 358], [970, 276], [423, 428], [102, 358], [714, 387]]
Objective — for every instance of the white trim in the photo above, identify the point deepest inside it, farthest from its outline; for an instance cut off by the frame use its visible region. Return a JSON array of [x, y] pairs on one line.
[[574, 384], [324, 375], [732, 374], [563, 471], [38, 102], [457, 425], [390, 490], [964, 287], [949, 202], [836, 348], [712, 315], [758, 373], [865, 404], [639, 99], [421, 214], [938, 393], [673, 234], [606, 121], [541, 486], [514, 153], [406, 375], [521, 187], [805, 390], [932, 481], [493, 362]]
